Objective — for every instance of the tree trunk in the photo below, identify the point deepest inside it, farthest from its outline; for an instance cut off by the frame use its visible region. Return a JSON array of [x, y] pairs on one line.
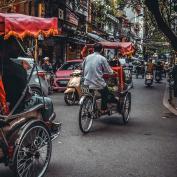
[[153, 6]]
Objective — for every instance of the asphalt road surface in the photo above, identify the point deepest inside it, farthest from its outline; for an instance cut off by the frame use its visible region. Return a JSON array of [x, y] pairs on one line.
[[146, 147]]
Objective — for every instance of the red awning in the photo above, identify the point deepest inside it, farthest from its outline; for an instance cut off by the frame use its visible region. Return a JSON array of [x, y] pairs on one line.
[[125, 48], [20, 26]]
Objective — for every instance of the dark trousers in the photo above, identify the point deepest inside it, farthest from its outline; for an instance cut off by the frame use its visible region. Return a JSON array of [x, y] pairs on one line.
[[107, 97]]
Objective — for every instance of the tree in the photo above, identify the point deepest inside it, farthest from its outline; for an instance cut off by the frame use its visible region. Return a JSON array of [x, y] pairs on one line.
[[163, 17]]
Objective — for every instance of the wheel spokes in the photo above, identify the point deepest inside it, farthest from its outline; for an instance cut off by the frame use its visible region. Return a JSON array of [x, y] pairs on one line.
[[86, 115], [32, 159]]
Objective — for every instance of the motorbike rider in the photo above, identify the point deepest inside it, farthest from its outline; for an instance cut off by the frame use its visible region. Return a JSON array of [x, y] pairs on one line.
[[47, 66], [166, 68], [159, 68], [94, 67], [150, 67], [138, 69], [142, 68]]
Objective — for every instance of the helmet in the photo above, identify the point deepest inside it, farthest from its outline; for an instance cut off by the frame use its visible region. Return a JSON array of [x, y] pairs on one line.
[[46, 58]]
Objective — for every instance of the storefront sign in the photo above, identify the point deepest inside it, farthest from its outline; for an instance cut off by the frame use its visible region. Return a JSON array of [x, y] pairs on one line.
[[71, 17], [6, 2], [14, 6], [41, 10], [113, 18], [60, 14]]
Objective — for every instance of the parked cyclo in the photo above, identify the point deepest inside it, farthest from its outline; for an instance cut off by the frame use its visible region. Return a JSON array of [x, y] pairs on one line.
[[90, 102], [26, 125]]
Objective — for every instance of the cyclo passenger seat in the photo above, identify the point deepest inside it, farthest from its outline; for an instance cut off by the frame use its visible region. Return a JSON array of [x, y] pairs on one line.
[[120, 75]]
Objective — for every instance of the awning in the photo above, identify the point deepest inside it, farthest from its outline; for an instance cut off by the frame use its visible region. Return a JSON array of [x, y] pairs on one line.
[[95, 37], [20, 26], [76, 40]]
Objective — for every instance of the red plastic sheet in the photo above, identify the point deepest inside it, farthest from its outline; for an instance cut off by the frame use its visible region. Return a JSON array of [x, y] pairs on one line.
[[20, 26]]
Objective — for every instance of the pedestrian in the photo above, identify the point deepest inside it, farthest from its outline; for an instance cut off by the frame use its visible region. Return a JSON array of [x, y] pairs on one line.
[[174, 76], [166, 67]]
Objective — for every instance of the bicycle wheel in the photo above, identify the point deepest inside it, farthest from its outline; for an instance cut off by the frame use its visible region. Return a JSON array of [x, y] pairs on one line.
[[34, 152], [86, 115], [126, 108]]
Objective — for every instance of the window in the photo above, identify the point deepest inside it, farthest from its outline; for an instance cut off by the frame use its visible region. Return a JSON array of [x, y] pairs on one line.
[[70, 66]]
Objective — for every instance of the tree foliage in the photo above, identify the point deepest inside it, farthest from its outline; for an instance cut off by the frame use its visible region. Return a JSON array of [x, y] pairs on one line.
[[162, 11]]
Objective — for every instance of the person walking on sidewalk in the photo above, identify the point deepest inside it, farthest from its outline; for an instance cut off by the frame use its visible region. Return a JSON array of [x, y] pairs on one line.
[[174, 76]]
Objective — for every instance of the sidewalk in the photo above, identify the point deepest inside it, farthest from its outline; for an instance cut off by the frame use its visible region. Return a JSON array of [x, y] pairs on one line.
[[172, 107]]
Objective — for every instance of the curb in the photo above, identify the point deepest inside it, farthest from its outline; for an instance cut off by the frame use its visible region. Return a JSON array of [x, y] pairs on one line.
[[167, 104]]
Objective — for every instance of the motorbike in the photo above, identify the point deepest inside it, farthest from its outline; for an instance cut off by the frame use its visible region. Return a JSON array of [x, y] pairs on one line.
[[148, 79], [158, 76], [73, 93], [26, 135]]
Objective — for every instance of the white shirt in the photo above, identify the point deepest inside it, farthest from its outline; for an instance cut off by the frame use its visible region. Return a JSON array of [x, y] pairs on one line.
[[95, 66]]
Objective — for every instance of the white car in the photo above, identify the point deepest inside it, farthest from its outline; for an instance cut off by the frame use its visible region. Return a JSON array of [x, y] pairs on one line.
[[34, 82]]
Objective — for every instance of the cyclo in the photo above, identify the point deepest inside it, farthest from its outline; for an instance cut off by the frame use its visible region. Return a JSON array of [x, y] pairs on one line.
[[90, 102], [25, 137]]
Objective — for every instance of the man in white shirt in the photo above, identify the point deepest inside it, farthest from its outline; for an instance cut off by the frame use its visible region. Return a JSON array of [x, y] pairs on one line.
[[95, 66]]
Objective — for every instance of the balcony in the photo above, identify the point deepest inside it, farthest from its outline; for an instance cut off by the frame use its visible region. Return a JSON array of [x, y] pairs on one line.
[[82, 7]]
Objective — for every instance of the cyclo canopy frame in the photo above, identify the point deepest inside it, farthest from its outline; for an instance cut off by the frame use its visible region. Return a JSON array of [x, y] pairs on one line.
[[124, 48], [21, 26]]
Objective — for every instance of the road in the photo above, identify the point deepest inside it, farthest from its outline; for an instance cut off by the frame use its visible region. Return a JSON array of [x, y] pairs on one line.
[[146, 147]]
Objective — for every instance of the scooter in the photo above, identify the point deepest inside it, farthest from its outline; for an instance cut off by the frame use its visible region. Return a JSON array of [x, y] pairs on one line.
[[50, 79], [73, 92], [148, 79]]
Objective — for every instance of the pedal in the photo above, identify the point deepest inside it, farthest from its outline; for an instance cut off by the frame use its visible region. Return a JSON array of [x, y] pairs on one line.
[[54, 136], [56, 132]]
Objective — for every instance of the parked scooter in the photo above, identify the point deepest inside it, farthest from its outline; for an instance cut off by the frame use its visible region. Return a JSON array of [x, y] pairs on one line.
[[73, 92], [149, 79], [50, 79]]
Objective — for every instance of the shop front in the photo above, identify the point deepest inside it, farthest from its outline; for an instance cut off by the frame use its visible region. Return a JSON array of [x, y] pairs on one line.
[[17, 6]]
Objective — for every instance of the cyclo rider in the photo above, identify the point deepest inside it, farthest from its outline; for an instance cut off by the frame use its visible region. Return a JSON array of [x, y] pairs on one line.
[[95, 66]]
